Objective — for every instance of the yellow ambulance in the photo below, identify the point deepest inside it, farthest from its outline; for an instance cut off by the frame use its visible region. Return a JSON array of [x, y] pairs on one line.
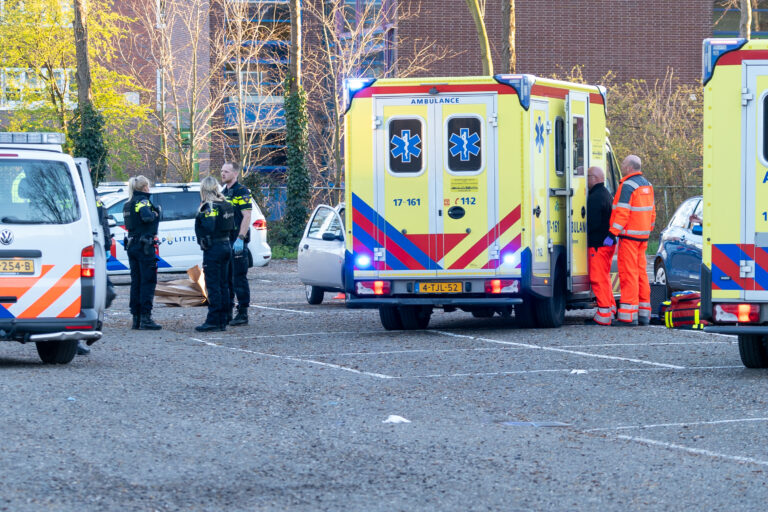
[[470, 193], [734, 271]]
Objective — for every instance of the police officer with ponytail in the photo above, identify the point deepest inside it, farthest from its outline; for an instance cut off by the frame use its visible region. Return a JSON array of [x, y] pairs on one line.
[[142, 219], [214, 223]]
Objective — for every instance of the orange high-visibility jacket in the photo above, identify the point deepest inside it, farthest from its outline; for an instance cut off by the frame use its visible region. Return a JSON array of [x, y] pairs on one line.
[[634, 211]]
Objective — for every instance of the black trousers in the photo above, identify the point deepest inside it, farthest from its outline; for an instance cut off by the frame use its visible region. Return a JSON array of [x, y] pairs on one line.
[[216, 263], [143, 278], [238, 280]]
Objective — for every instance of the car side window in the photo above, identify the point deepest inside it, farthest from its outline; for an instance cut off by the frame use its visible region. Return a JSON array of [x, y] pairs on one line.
[[318, 223], [699, 212], [116, 211], [178, 205], [335, 227], [681, 218]]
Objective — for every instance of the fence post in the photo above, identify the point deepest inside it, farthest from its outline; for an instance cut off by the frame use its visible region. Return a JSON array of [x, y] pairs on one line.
[[666, 204]]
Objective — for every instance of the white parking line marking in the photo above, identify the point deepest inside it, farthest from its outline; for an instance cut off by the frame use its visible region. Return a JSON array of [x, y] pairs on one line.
[[686, 424], [695, 451], [696, 332], [566, 370], [282, 309], [553, 349], [296, 359], [324, 333]]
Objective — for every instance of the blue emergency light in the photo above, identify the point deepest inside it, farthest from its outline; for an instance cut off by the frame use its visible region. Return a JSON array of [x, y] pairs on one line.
[[363, 261], [352, 86], [522, 84], [713, 49]]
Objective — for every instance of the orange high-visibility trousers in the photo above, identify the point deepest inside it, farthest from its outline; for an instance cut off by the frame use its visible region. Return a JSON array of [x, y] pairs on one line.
[[635, 289], [600, 259]]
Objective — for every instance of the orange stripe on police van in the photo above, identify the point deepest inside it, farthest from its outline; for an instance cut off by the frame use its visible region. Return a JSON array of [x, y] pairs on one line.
[[18, 286], [53, 294], [72, 310]]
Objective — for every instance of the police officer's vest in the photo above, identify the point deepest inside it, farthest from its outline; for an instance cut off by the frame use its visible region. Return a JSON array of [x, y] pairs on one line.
[[216, 222], [132, 216]]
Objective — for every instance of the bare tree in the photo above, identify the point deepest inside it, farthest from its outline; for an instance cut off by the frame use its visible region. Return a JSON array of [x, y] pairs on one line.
[[176, 40], [745, 25], [508, 49], [482, 36], [351, 47]]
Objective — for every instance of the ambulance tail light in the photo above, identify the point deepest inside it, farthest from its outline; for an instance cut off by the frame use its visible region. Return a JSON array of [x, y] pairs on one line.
[[87, 262], [353, 86], [741, 313], [502, 286], [373, 287], [260, 224]]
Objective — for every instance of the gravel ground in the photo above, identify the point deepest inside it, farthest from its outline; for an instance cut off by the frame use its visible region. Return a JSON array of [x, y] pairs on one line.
[[289, 413]]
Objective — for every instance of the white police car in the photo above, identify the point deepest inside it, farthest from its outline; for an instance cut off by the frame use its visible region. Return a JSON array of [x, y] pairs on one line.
[[52, 261], [178, 248]]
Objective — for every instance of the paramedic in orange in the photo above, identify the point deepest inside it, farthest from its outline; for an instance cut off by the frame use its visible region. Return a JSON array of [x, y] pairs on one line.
[[601, 246], [632, 221]]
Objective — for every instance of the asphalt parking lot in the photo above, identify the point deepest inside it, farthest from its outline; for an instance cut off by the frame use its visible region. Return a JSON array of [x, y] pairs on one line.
[[319, 408]]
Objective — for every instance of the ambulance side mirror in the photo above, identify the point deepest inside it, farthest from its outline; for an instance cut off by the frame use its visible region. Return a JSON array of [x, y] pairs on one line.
[[697, 229]]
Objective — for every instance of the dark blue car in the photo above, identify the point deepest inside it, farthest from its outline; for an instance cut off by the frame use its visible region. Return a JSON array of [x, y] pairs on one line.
[[678, 260]]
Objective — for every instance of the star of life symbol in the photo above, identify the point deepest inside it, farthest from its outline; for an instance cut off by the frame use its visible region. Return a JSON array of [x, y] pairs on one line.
[[539, 135], [464, 144], [405, 146]]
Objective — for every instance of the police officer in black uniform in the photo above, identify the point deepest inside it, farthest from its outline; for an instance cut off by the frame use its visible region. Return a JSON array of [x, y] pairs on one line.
[[141, 219], [213, 225], [240, 197]]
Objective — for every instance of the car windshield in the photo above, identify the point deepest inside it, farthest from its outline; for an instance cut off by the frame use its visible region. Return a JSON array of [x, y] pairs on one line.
[[37, 192]]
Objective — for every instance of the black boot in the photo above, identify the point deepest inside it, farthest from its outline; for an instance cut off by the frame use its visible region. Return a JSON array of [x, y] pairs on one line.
[[206, 327], [136, 322], [147, 324], [241, 318]]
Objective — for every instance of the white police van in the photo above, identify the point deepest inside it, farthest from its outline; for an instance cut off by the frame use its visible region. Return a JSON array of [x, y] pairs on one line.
[[178, 250], [52, 260]]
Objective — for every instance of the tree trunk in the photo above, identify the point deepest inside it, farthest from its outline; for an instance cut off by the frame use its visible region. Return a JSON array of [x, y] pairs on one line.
[[294, 66], [81, 52], [508, 51], [482, 35], [745, 27]]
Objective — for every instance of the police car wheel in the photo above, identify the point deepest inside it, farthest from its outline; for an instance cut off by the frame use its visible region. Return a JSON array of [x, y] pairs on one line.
[[390, 318], [660, 276], [753, 351], [314, 294], [56, 352]]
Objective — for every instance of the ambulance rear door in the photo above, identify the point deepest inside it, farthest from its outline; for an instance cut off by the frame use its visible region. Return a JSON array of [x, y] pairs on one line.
[[469, 240], [750, 259], [540, 220], [578, 151], [406, 204]]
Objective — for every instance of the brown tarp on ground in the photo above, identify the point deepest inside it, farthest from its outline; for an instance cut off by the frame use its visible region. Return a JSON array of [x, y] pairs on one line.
[[183, 292]]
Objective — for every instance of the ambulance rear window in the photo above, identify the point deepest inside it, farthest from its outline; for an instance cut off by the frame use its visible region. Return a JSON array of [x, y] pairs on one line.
[[765, 128], [465, 145], [37, 192], [405, 146]]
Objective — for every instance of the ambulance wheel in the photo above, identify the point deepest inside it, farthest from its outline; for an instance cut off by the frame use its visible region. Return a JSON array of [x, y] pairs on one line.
[[524, 316], [415, 317], [390, 318], [753, 351], [56, 352], [314, 294], [550, 312]]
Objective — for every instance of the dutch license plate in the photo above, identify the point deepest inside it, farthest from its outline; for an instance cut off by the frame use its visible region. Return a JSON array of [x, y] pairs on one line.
[[439, 288], [17, 266]]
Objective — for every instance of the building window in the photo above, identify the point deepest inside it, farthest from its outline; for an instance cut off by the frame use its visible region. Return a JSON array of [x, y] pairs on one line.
[[726, 17]]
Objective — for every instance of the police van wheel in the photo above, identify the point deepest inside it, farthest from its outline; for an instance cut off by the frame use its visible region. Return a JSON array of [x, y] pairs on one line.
[[390, 318], [56, 352], [314, 294], [550, 312], [753, 351], [415, 317]]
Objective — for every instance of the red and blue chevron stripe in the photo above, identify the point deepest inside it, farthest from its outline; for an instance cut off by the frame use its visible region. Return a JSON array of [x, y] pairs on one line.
[[726, 259]]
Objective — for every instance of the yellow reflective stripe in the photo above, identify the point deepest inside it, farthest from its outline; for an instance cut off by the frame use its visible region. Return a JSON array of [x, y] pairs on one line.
[[141, 204], [212, 213], [239, 201]]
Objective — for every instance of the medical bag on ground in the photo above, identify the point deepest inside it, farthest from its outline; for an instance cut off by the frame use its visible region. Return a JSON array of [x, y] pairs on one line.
[[682, 311]]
